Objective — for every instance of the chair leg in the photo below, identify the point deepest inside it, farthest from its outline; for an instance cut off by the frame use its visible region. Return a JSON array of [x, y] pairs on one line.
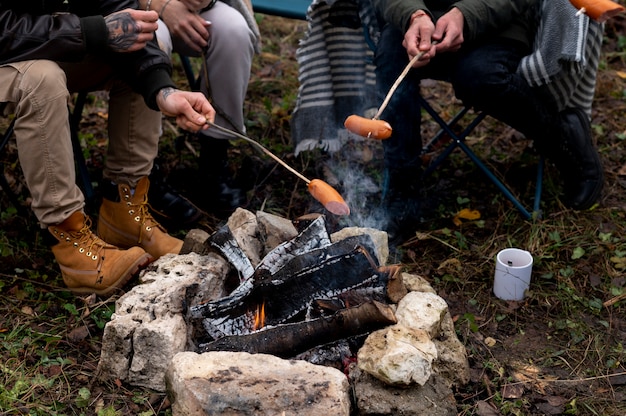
[[458, 140], [81, 165], [4, 183]]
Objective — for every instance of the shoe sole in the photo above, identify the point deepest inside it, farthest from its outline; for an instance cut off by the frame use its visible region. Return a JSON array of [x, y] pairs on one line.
[[141, 263]]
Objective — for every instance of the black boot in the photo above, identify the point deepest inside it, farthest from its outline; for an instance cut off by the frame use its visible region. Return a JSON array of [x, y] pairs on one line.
[[220, 195], [402, 202], [578, 161], [170, 206]]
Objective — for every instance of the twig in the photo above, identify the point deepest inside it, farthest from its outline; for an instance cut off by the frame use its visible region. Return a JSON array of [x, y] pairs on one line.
[[263, 149], [396, 84], [614, 300]]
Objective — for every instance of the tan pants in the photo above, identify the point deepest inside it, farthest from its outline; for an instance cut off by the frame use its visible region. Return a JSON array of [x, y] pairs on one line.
[[38, 92], [228, 62]]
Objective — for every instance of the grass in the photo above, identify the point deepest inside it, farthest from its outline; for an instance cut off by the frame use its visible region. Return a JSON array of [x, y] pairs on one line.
[[560, 351]]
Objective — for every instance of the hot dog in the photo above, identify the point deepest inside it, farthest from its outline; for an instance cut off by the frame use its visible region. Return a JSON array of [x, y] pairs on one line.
[[367, 127], [600, 10], [328, 197]]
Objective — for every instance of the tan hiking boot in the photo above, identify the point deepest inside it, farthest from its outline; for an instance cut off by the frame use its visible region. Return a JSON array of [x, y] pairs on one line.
[[88, 264], [126, 222]]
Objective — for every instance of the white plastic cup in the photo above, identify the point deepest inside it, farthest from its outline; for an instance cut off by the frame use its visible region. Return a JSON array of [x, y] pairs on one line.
[[513, 269]]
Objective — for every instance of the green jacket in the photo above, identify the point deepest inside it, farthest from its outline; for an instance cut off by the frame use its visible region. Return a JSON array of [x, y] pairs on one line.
[[511, 19]]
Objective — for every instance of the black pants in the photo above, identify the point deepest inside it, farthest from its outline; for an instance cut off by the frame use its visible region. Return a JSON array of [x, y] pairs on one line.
[[483, 76]]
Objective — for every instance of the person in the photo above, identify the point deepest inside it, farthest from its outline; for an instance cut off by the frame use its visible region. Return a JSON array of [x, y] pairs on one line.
[[226, 41], [53, 48], [477, 46]]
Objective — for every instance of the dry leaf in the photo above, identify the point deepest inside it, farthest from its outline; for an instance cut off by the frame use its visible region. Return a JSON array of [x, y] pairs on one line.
[[621, 74], [512, 391], [466, 214]]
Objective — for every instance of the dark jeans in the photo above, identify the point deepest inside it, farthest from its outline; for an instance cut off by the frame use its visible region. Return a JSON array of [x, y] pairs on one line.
[[483, 76]]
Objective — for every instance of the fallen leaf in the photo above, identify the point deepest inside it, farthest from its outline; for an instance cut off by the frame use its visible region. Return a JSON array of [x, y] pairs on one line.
[[621, 74], [466, 214], [485, 409], [622, 171], [78, 334], [490, 342], [512, 391]]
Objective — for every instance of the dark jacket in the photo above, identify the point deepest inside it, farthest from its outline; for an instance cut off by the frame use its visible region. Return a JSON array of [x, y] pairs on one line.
[[512, 19], [68, 31]]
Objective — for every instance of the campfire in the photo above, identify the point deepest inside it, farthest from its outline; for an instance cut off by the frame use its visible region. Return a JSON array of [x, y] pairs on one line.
[[260, 288], [304, 293]]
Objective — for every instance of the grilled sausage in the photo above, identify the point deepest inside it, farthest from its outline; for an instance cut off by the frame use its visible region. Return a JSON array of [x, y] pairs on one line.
[[328, 197], [367, 127]]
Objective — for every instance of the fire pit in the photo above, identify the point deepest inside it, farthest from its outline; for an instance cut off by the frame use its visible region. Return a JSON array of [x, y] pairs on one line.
[[244, 301]]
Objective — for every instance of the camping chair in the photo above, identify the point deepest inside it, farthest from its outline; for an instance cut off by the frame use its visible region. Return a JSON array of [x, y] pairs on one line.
[[357, 97], [83, 178], [449, 131], [293, 9]]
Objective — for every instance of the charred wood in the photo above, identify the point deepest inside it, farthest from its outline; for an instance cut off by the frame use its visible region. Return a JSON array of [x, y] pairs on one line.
[[288, 340]]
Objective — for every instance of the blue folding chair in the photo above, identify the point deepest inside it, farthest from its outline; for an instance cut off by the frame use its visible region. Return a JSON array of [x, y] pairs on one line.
[[293, 9], [447, 129]]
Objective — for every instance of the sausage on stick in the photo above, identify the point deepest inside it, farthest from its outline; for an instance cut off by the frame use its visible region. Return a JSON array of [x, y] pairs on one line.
[[375, 128]]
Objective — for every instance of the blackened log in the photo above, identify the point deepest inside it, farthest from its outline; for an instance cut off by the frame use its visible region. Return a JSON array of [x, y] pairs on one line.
[[285, 298], [288, 340], [312, 237], [224, 241]]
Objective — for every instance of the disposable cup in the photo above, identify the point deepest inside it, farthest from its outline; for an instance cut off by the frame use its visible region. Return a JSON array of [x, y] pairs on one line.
[[512, 277]]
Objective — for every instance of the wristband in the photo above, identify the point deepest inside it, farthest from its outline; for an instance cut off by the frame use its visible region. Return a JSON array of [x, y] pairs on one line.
[[417, 14]]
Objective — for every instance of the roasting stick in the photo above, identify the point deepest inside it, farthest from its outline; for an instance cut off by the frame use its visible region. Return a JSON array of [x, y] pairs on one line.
[[320, 190], [396, 84]]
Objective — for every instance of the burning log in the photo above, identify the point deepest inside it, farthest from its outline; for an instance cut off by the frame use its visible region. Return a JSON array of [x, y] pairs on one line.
[[288, 340], [328, 272]]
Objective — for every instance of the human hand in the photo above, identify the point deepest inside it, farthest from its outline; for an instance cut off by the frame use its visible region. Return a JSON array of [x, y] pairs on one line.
[[186, 25], [196, 5], [130, 30], [191, 109], [449, 31], [417, 39]]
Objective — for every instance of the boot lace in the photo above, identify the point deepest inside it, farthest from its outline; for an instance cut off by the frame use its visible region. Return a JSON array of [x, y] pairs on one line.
[[141, 213], [87, 242]]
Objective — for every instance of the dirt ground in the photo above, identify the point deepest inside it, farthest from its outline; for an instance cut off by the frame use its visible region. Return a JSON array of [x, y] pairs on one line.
[[560, 351]]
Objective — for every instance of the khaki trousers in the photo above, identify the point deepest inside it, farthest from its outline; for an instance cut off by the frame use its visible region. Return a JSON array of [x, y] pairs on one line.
[[38, 93], [228, 62]]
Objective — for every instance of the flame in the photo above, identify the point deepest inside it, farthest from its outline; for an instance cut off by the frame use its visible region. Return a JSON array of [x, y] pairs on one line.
[[259, 317]]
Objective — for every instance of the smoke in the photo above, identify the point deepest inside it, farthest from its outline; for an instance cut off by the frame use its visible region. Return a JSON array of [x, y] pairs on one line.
[[357, 169]]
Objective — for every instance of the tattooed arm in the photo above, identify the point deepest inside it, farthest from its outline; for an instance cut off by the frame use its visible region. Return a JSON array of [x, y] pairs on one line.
[[130, 29], [191, 109]]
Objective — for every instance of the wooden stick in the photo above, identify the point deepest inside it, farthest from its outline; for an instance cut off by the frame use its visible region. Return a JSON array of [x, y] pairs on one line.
[[263, 149], [397, 83]]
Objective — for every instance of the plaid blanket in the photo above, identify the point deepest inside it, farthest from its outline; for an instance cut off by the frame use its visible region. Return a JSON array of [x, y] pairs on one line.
[[566, 55], [337, 77]]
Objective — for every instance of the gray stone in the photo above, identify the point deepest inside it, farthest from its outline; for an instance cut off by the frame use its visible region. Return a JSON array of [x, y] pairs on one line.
[[375, 398], [231, 383], [274, 230], [244, 227], [398, 355]]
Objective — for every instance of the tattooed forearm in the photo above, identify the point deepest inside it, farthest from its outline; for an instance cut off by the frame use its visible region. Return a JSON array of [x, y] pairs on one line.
[[123, 31], [166, 92]]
